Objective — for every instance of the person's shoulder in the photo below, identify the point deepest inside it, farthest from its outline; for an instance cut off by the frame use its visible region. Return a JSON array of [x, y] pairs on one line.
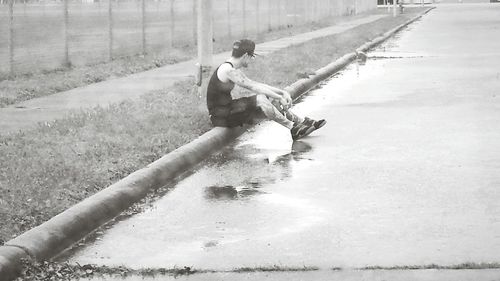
[[223, 71], [226, 67]]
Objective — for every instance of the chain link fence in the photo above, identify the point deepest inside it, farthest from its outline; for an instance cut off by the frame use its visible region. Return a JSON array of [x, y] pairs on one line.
[[38, 35]]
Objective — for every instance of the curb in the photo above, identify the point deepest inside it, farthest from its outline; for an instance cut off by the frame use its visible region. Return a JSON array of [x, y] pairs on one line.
[[303, 85], [52, 237]]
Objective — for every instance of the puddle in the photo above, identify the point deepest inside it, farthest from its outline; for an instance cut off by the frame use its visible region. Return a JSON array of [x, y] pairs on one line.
[[250, 186], [257, 167], [229, 192]]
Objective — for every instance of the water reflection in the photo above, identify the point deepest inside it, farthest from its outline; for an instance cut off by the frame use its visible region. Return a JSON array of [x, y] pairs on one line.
[[242, 171], [228, 192]]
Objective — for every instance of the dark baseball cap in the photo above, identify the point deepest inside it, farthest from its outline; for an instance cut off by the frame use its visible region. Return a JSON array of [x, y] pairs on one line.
[[244, 46]]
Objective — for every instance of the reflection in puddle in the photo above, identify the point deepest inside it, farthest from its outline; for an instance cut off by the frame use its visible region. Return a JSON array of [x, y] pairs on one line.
[[229, 192], [299, 148], [241, 172]]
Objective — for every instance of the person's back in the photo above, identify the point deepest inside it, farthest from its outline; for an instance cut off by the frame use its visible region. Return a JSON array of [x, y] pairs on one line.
[[219, 99]]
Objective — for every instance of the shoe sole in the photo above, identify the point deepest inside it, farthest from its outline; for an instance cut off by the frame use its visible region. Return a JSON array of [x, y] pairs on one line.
[[306, 133], [321, 124], [309, 131]]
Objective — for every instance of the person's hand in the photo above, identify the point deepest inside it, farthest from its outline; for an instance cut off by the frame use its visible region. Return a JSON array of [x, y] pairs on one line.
[[284, 103], [288, 98]]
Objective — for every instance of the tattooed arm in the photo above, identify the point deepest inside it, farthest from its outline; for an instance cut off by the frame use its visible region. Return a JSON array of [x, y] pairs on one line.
[[286, 95], [240, 79]]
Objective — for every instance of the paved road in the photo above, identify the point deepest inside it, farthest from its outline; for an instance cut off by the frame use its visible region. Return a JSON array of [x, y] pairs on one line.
[[406, 172]]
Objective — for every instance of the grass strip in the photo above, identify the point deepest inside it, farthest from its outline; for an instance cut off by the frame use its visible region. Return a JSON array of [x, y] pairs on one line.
[[46, 170], [275, 268], [48, 270], [462, 266]]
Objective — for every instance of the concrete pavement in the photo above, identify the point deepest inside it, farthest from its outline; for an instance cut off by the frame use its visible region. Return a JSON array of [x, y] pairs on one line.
[[405, 172], [27, 114]]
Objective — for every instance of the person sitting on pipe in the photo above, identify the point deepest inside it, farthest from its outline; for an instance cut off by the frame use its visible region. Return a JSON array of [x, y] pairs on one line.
[[267, 102]]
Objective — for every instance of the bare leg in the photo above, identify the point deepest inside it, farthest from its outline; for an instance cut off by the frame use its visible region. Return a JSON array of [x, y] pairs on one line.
[[271, 112]]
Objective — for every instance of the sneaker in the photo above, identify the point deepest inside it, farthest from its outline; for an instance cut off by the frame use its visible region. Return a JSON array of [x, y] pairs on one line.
[[300, 130], [316, 124]]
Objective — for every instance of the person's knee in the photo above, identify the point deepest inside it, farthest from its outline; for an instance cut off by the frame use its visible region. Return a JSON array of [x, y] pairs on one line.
[[265, 105], [263, 102], [276, 103]]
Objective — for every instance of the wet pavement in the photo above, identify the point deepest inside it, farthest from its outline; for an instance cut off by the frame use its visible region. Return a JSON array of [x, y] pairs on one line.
[[406, 172]]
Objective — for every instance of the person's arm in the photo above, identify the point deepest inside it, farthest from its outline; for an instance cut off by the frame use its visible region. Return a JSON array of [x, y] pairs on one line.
[[240, 79], [281, 92], [274, 89]]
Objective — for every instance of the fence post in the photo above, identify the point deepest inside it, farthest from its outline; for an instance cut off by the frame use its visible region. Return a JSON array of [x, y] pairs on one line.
[[205, 33], [257, 20], [172, 23], [312, 10], [317, 9], [67, 63], [269, 9], [229, 31], [326, 8], [244, 3], [279, 13], [205, 43], [295, 11], [195, 26], [110, 30], [323, 9], [143, 25], [11, 36], [285, 9]]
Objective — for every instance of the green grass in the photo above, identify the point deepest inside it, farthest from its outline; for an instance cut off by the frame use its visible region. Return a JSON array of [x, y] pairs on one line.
[[46, 170], [275, 268], [462, 266], [43, 83], [63, 271]]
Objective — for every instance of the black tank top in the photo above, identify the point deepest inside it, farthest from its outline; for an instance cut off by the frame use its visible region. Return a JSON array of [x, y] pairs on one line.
[[218, 92]]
